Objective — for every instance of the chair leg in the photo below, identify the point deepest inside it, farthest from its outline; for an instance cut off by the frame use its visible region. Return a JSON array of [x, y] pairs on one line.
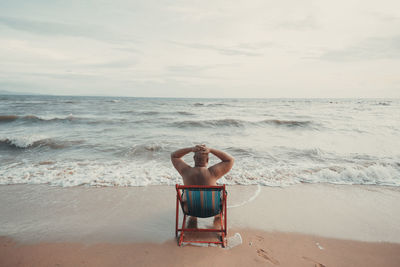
[[225, 216], [182, 231], [222, 229], [224, 225], [177, 217], [220, 218]]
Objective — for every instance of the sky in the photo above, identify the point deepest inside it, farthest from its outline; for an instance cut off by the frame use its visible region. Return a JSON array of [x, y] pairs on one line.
[[207, 48]]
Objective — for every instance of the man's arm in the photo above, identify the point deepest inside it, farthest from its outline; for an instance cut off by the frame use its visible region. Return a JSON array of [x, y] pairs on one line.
[[222, 168], [178, 163]]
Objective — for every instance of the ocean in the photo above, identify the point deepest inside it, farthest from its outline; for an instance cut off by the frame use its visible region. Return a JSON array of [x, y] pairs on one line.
[[120, 141]]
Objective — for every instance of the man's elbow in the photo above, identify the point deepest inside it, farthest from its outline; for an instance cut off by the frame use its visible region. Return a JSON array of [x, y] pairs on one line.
[[231, 161], [230, 164]]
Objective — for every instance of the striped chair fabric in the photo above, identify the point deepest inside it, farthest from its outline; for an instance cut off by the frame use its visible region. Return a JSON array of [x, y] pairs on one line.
[[203, 203]]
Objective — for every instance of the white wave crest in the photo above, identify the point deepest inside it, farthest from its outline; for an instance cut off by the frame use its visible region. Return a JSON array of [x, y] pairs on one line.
[[153, 172], [24, 141]]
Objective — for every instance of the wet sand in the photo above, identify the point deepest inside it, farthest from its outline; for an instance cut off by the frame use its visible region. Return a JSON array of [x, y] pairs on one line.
[[304, 225]]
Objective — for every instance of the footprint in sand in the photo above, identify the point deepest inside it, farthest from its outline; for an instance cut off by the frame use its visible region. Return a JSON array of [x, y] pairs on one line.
[[259, 238], [317, 264], [262, 253]]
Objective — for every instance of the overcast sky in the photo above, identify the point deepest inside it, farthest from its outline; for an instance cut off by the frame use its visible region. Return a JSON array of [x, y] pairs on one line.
[[341, 48]]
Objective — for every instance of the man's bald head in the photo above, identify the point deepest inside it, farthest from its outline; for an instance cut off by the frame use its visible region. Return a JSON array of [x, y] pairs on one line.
[[200, 159]]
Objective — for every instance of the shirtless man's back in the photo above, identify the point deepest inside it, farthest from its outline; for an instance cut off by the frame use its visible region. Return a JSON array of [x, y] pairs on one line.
[[200, 174]]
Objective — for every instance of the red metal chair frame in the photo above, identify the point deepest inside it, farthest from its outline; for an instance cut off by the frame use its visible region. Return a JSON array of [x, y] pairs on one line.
[[222, 230]]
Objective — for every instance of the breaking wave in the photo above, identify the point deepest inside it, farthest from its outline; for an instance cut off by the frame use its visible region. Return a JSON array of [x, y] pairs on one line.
[[29, 142], [135, 173], [185, 113], [150, 113], [145, 152], [33, 118], [288, 123], [198, 104], [210, 123], [66, 119], [8, 118], [240, 123]]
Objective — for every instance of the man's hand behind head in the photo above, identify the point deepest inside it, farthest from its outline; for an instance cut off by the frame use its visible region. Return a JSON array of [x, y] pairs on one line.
[[202, 149], [199, 148], [205, 150]]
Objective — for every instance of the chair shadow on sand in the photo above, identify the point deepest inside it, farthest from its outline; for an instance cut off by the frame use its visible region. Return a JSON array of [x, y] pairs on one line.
[[199, 223]]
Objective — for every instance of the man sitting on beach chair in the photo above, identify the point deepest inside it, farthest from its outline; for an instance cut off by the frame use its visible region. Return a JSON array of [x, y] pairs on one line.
[[200, 174]]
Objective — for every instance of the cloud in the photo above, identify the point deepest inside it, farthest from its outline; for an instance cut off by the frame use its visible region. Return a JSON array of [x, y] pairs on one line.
[[229, 51], [369, 49], [196, 68], [19, 86], [45, 27], [113, 64], [307, 23], [257, 45], [384, 17], [129, 50], [52, 28], [200, 72], [175, 48]]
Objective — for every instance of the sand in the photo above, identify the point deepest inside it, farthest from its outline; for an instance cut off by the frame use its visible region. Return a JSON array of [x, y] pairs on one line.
[[304, 225], [259, 248]]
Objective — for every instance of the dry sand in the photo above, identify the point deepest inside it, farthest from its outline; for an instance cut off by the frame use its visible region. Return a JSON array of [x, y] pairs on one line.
[[259, 248]]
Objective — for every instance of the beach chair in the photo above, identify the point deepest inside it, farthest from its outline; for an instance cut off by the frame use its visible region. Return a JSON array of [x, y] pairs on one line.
[[201, 201]]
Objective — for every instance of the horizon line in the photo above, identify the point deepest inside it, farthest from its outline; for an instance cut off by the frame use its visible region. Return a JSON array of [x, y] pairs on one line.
[[171, 97]]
